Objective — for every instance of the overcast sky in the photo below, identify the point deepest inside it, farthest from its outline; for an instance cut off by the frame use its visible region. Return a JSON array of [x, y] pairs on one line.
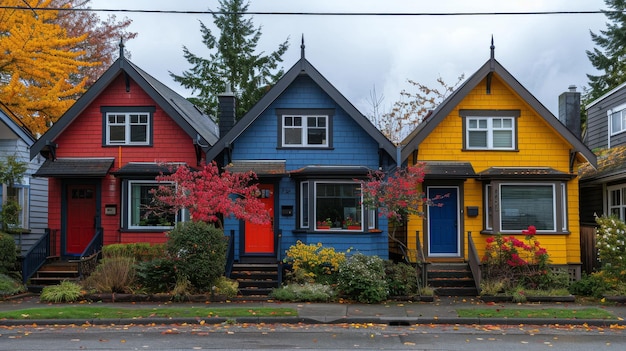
[[546, 53]]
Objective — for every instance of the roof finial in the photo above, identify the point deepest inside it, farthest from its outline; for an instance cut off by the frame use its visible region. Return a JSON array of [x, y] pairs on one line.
[[302, 47], [121, 47], [492, 59]]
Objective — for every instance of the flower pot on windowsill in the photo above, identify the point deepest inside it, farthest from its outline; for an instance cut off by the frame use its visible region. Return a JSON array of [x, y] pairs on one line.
[[354, 227], [323, 227]]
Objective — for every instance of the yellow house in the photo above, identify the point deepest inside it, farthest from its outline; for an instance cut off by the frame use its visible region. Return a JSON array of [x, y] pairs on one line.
[[505, 163]]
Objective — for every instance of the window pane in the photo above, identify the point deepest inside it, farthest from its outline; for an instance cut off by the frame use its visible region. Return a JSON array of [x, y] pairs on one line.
[[477, 139], [304, 194], [140, 204], [316, 136], [117, 134], [502, 139], [616, 122], [525, 205], [293, 136], [138, 133], [338, 202]]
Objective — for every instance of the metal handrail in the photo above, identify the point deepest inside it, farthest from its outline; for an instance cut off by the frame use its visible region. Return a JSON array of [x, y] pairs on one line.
[[474, 261], [36, 256], [89, 256]]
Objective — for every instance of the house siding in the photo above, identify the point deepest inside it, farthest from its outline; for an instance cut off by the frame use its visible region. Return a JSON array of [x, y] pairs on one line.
[[534, 137], [597, 135], [351, 146], [83, 138]]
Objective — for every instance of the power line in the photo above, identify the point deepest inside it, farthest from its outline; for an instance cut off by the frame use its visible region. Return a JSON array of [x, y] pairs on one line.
[[290, 13]]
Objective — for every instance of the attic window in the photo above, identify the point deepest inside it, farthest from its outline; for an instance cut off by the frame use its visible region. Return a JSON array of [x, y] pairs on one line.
[[127, 126], [305, 128], [490, 129]]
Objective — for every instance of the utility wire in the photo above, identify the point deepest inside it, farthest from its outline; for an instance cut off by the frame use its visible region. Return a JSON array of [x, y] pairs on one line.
[[289, 13]]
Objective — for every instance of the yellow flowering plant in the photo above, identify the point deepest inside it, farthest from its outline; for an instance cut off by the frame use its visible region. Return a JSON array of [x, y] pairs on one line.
[[313, 263]]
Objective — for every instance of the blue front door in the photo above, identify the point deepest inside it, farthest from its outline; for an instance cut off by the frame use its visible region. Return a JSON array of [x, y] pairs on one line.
[[443, 222]]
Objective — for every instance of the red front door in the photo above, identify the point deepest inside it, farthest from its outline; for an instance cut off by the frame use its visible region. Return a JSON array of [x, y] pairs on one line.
[[81, 218], [259, 238]]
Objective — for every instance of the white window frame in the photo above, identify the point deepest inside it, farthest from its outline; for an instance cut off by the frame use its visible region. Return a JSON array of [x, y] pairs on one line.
[[23, 199], [620, 207], [304, 205], [130, 210], [554, 205], [128, 124], [613, 128], [490, 129], [304, 128]]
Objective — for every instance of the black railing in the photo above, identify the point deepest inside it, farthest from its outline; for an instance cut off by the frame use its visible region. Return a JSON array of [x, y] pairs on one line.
[[474, 261], [89, 257], [36, 256], [278, 247], [230, 253]]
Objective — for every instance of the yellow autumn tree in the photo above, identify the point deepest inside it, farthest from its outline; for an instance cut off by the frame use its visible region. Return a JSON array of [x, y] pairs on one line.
[[37, 62]]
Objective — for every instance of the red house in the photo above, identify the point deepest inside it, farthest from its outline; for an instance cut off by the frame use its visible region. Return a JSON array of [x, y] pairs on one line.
[[103, 154]]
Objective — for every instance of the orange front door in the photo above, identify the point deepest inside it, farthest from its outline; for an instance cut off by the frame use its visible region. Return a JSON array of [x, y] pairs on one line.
[[259, 238], [81, 218]]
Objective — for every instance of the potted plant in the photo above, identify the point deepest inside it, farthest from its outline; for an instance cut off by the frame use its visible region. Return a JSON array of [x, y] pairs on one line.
[[351, 224], [325, 224]]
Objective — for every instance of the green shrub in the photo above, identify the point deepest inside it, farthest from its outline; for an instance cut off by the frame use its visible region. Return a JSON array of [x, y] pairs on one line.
[[611, 244], [8, 253], [199, 253], [226, 287], [65, 292], [401, 278], [313, 263], [112, 275], [9, 286], [141, 252], [362, 278], [594, 285], [156, 276], [312, 292]]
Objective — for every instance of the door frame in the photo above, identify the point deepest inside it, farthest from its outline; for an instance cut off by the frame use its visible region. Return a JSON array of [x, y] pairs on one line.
[[459, 221], [242, 226], [65, 184]]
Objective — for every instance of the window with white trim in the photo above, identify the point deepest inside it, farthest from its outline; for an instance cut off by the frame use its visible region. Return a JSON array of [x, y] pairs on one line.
[[617, 201], [490, 133], [512, 207], [335, 205], [127, 128], [304, 131], [617, 119], [18, 194], [139, 207]]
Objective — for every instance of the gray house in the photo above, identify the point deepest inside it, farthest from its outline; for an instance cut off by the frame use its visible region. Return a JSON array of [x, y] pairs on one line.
[[30, 192], [603, 190]]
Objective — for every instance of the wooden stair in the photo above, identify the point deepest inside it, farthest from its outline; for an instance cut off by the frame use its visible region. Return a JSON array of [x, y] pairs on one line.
[[255, 279], [53, 273], [452, 279]]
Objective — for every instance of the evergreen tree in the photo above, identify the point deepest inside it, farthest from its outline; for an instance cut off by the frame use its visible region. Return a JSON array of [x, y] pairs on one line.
[[233, 60], [610, 57]]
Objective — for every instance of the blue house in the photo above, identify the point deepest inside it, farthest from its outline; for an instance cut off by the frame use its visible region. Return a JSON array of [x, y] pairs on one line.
[[308, 146]]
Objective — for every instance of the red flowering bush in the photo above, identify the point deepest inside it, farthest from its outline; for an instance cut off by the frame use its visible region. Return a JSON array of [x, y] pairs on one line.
[[517, 262]]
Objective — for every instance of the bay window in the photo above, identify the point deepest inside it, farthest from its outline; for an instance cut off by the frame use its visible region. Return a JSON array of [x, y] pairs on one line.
[[140, 207]]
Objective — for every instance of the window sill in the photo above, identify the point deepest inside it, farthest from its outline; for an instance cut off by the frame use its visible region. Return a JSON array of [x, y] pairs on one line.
[[491, 232]]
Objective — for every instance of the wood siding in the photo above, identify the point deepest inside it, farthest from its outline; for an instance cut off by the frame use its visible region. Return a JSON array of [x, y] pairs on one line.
[[538, 146], [597, 135]]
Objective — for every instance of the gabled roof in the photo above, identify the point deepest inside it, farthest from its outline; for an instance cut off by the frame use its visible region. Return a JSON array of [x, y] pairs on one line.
[[17, 128], [413, 140], [200, 127], [301, 68]]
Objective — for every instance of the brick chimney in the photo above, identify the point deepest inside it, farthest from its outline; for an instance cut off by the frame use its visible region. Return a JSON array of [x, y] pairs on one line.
[[226, 110], [569, 110]]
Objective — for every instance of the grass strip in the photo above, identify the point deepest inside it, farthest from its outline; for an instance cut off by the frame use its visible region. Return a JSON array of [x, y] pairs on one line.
[[96, 312], [563, 313]]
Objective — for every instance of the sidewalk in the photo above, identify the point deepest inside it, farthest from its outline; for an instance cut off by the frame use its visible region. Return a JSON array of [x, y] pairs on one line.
[[442, 311]]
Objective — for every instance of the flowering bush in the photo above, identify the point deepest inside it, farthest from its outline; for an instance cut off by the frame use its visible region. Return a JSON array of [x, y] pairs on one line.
[[313, 263], [611, 244], [517, 262], [362, 278]]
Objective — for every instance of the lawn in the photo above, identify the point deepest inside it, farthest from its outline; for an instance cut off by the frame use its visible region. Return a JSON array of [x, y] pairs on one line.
[[564, 313], [96, 312]]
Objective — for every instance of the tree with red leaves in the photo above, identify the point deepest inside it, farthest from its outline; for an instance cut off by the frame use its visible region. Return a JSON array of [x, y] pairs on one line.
[[209, 195]]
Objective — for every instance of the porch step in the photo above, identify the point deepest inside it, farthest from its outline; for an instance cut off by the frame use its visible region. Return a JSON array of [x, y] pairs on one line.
[[53, 273], [255, 279], [451, 279]]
